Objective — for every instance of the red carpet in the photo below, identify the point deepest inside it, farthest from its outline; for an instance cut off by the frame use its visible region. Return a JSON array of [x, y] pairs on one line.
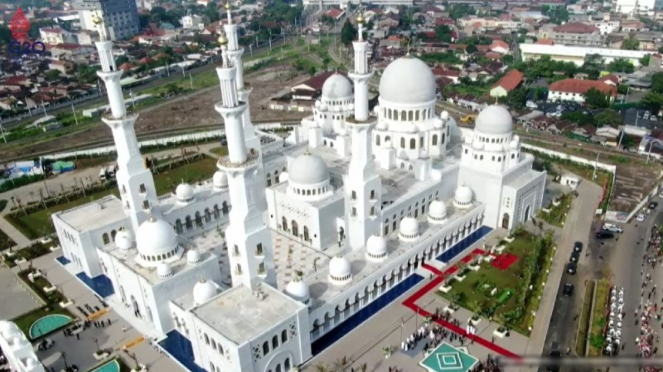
[[504, 261], [411, 304]]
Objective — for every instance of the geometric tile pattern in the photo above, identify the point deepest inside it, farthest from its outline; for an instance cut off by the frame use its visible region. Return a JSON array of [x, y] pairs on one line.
[[291, 256], [446, 358]]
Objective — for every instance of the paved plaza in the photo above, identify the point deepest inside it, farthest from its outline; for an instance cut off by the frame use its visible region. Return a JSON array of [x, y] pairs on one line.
[[79, 350], [446, 358], [23, 300], [290, 257]]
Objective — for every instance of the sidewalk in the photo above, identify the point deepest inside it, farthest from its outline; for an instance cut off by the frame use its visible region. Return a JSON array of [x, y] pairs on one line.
[[21, 240], [579, 218]]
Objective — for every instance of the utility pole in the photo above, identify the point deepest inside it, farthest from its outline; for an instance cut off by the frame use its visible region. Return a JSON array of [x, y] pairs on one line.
[[191, 81], [74, 111], [596, 164], [2, 131]]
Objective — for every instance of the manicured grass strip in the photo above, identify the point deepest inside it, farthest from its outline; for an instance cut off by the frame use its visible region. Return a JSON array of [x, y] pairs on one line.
[[583, 324], [599, 312]]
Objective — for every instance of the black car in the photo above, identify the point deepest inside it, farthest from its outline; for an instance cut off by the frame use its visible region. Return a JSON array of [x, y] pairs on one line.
[[568, 289], [577, 247], [604, 234], [571, 268], [555, 353], [575, 256], [653, 205]]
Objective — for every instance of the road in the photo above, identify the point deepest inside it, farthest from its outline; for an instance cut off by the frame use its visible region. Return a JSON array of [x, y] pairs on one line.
[[618, 259]]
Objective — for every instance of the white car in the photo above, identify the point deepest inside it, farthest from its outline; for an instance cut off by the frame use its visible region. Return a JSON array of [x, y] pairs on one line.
[[613, 228], [640, 217]]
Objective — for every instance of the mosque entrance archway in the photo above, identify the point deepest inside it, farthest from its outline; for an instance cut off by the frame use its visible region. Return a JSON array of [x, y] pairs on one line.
[[526, 214], [505, 221], [134, 306]]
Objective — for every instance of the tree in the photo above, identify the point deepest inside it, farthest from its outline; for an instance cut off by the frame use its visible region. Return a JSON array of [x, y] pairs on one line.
[[212, 12], [443, 33], [622, 89], [119, 61], [660, 50], [657, 82], [593, 60], [348, 33], [621, 65], [608, 117], [653, 100], [630, 44], [508, 59], [51, 75], [556, 14], [516, 98], [594, 98], [644, 61], [471, 49]]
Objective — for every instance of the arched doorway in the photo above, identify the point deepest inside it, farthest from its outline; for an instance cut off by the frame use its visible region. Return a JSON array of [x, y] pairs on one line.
[[526, 214], [306, 237], [505, 221], [224, 207], [134, 306], [295, 228]]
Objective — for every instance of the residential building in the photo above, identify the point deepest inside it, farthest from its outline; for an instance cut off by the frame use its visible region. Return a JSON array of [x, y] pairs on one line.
[[54, 36], [577, 34], [574, 90], [507, 83], [577, 54], [193, 22], [120, 16], [607, 27]]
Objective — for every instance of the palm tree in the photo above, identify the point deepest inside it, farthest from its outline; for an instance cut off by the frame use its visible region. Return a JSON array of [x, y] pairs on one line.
[[321, 368]]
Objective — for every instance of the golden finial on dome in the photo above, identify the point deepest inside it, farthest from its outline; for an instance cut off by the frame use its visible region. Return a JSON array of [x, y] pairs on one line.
[[360, 19], [228, 6], [97, 20], [222, 40]]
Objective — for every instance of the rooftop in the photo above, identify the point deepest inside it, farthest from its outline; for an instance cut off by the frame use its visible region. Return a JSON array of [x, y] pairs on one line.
[[582, 86], [240, 314], [98, 213]]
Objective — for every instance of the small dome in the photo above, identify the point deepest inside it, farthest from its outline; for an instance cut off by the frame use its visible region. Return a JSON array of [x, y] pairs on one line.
[[469, 140], [219, 180], [407, 80], [184, 192], [336, 86], [193, 256], [124, 240], [298, 290], [382, 125], [308, 169], [18, 341], [409, 227], [387, 144], [164, 270], [31, 362], [340, 269], [513, 145], [376, 109], [351, 107], [437, 210], [423, 154], [203, 291], [437, 124], [463, 196], [376, 247], [318, 103], [155, 238], [478, 145], [516, 138], [322, 107], [494, 120], [8, 328], [444, 115]]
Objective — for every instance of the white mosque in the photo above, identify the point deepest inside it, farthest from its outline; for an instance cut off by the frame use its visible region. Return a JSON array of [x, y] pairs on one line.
[[295, 242]]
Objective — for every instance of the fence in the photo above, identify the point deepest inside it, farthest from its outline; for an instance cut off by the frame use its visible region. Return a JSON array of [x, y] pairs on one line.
[[37, 111]]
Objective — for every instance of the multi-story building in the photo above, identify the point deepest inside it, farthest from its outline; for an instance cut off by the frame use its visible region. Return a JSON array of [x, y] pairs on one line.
[[577, 34], [55, 36], [645, 7], [574, 90], [121, 16], [193, 22]]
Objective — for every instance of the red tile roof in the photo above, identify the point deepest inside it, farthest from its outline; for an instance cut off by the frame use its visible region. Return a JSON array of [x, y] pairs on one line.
[[318, 81], [499, 44], [510, 81], [334, 13], [611, 78], [442, 72], [582, 86], [576, 28], [545, 42]]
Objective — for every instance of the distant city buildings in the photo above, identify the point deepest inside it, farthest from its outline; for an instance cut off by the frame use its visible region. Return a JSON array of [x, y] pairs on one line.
[[121, 16]]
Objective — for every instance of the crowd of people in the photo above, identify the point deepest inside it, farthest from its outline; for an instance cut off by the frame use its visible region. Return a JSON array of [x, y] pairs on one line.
[[649, 310]]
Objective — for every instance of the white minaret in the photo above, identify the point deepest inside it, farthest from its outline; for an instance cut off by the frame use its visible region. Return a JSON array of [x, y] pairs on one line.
[[244, 91], [249, 240], [362, 184], [135, 182]]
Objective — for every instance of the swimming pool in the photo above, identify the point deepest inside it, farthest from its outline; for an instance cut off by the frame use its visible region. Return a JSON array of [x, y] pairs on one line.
[[48, 324], [112, 366]]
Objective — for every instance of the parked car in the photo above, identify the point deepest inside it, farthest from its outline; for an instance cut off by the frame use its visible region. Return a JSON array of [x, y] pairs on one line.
[[577, 247], [568, 289], [575, 256], [612, 228], [571, 268], [603, 234], [640, 218], [653, 205], [555, 353]]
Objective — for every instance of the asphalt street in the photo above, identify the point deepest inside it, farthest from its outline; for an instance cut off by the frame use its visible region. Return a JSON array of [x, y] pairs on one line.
[[619, 259]]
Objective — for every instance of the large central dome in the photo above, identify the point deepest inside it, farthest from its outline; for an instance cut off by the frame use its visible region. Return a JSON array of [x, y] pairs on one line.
[[494, 120], [408, 80], [307, 170], [336, 86]]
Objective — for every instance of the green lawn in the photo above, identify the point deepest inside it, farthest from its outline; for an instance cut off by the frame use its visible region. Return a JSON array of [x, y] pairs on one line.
[[557, 214], [583, 325], [599, 311], [473, 293], [221, 151], [52, 299], [29, 253], [38, 224]]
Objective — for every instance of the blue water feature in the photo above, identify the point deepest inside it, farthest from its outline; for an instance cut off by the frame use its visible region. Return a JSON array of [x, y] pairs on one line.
[[100, 284], [362, 315], [180, 348], [48, 324], [63, 260], [462, 245], [112, 366]]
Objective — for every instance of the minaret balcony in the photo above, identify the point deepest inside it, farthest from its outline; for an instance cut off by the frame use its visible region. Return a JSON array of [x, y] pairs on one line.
[[252, 158], [129, 115]]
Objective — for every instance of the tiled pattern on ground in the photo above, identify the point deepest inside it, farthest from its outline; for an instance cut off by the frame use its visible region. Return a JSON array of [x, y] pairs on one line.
[[22, 298], [213, 239], [304, 259]]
